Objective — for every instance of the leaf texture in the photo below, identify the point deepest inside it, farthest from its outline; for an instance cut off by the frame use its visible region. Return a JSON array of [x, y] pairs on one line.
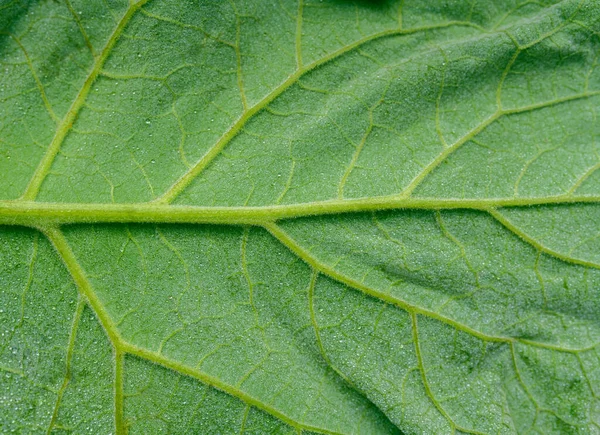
[[299, 217]]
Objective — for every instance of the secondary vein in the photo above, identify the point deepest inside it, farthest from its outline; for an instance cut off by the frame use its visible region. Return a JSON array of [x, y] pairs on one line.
[[66, 123], [325, 269], [207, 379], [58, 240]]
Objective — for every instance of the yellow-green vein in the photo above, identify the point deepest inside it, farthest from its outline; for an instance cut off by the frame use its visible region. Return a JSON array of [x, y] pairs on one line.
[[38, 83], [30, 213], [123, 347], [69, 357], [428, 391], [66, 123], [78, 275], [447, 151], [536, 244], [329, 271], [216, 383]]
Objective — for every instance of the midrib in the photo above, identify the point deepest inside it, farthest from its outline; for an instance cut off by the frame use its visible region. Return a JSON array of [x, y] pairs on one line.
[[32, 213]]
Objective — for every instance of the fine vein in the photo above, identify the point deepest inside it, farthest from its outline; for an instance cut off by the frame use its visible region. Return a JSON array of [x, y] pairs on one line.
[[427, 386], [499, 113], [67, 377]]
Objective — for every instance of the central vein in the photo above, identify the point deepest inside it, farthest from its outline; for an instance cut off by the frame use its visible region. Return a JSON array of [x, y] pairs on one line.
[[42, 214]]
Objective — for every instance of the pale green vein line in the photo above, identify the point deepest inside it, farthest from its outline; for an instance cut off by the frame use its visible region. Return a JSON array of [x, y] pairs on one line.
[[288, 183], [326, 359], [65, 125], [120, 426], [438, 101], [69, 358], [250, 283], [584, 177], [29, 213], [308, 258], [589, 382], [238, 59], [174, 250], [237, 126], [557, 348], [88, 43], [528, 165], [508, 13], [288, 241], [216, 383], [549, 103], [505, 73], [15, 371], [186, 26], [459, 244], [529, 393], [313, 320], [355, 156], [299, 34], [536, 244], [447, 151], [244, 419], [555, 30], [416, 182], [26, 377], [31, 268], [361, 145], [38, 83], [61, 245], [522, 382], [428, 391], [313, 317]]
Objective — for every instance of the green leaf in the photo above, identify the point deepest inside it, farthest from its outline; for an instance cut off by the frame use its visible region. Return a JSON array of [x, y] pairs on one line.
[[304, 216]]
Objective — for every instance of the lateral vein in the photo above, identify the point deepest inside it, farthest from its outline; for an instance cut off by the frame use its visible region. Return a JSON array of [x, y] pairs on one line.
[[506, 223], [66, 123], [216, 383], [58, 240], [285, 239]]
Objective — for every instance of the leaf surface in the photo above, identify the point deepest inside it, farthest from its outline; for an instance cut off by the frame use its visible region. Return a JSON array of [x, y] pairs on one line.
[[300, 217]]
